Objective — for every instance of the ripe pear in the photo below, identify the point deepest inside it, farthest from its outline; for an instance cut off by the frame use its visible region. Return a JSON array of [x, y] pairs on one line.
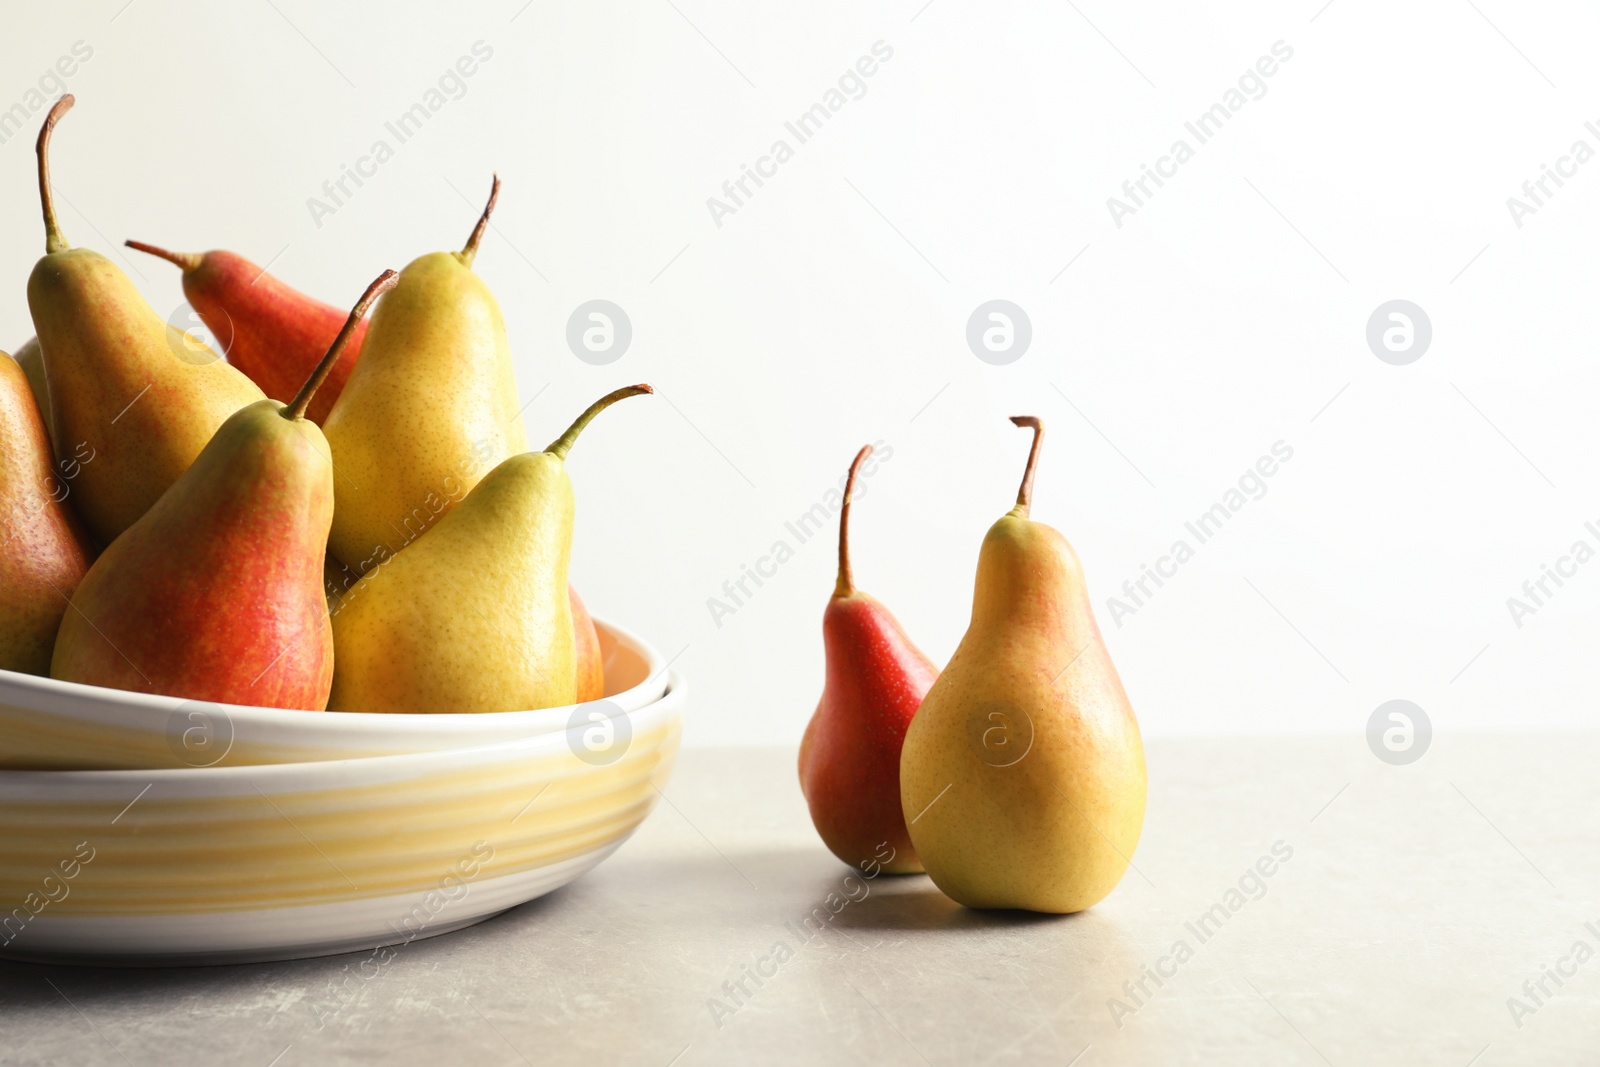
[[44, 551], [275, 334], [216, 592], [430, 408], [589, 665], [476, 616], [850, 754], [31, 360], [144, 396], [1022, 777]]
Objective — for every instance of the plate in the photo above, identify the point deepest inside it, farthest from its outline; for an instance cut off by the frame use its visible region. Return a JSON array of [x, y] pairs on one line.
[[51, 725], [282, 861]]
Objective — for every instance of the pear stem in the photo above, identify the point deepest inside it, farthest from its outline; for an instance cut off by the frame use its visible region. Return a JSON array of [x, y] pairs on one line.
[[563, 444], [469, 253], [53, 240], [186, 261], [847, 580], [297, 407], [1025, 493]]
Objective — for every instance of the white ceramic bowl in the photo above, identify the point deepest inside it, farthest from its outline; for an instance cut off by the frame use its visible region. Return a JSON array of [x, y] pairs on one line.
[[51, 725], [235, 864]]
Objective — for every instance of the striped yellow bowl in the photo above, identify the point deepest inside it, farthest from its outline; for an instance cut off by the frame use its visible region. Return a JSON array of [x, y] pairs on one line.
[[235, 864], [51, 725]]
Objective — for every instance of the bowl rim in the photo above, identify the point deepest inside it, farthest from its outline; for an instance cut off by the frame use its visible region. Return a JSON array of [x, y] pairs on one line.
[[162, 704], [315, 772]]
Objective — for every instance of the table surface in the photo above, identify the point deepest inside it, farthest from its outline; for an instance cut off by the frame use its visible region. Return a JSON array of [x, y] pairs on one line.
[[1416, 903]]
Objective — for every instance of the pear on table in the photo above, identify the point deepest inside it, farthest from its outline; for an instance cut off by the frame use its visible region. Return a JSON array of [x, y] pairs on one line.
[[850, 754], [44, 552], [477, 615], [274, 333], [1022, 775], [429, 409], [216, 593], [146, 398]]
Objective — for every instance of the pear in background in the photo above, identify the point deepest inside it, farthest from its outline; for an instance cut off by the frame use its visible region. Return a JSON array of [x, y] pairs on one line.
[[275, 334], [1022, 776], [44, 551], [216, 593], [430, 408], [850, 754], [31, 360], [144, 397], [476, 616], [590, 665]]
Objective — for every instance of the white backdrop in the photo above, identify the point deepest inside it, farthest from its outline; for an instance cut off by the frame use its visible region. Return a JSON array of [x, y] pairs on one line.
[[1227, 313]]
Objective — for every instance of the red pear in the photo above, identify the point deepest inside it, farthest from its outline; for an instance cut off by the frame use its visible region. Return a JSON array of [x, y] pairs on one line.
[[850, 755], [275, 334], [216, 593], [44, 551]]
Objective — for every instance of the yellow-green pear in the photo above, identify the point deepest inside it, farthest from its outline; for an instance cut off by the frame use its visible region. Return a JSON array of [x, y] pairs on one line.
[[430, 408], [476, 615], [143, 396], [1022, 776]]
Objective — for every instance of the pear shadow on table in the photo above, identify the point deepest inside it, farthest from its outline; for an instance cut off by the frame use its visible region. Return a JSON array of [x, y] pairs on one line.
[[913, 902]]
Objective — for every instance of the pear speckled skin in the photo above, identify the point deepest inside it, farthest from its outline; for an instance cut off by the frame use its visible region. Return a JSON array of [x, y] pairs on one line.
[[430, 408], [44, 551], [31, 360], [144, 396], [275, 334], [475, 616], [1051, 826], [216, 593]]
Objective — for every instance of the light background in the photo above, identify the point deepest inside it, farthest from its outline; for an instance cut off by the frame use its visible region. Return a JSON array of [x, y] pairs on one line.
[[1227, 314]]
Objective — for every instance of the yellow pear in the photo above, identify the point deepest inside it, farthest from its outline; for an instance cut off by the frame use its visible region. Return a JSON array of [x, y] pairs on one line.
[[144, 397], [1022, 777], [475, 616], [430, 408], [31, 360]]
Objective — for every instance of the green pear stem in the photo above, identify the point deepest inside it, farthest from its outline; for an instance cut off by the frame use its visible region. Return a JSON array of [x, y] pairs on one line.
[[1025, 493], [297, 408], [563, 444], [469, 253], [847, 581], [185, 260], [53, 240]]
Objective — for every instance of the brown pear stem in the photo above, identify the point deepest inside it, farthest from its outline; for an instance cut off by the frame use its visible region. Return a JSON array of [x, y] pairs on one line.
[[186, 261], [297, 407], [563, 444], [847, 581], [53, 240], [469, 253], [1025, 493]]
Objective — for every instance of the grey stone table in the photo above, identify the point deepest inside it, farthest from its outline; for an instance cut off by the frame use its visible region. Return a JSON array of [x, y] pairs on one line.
[[1429, 914]]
